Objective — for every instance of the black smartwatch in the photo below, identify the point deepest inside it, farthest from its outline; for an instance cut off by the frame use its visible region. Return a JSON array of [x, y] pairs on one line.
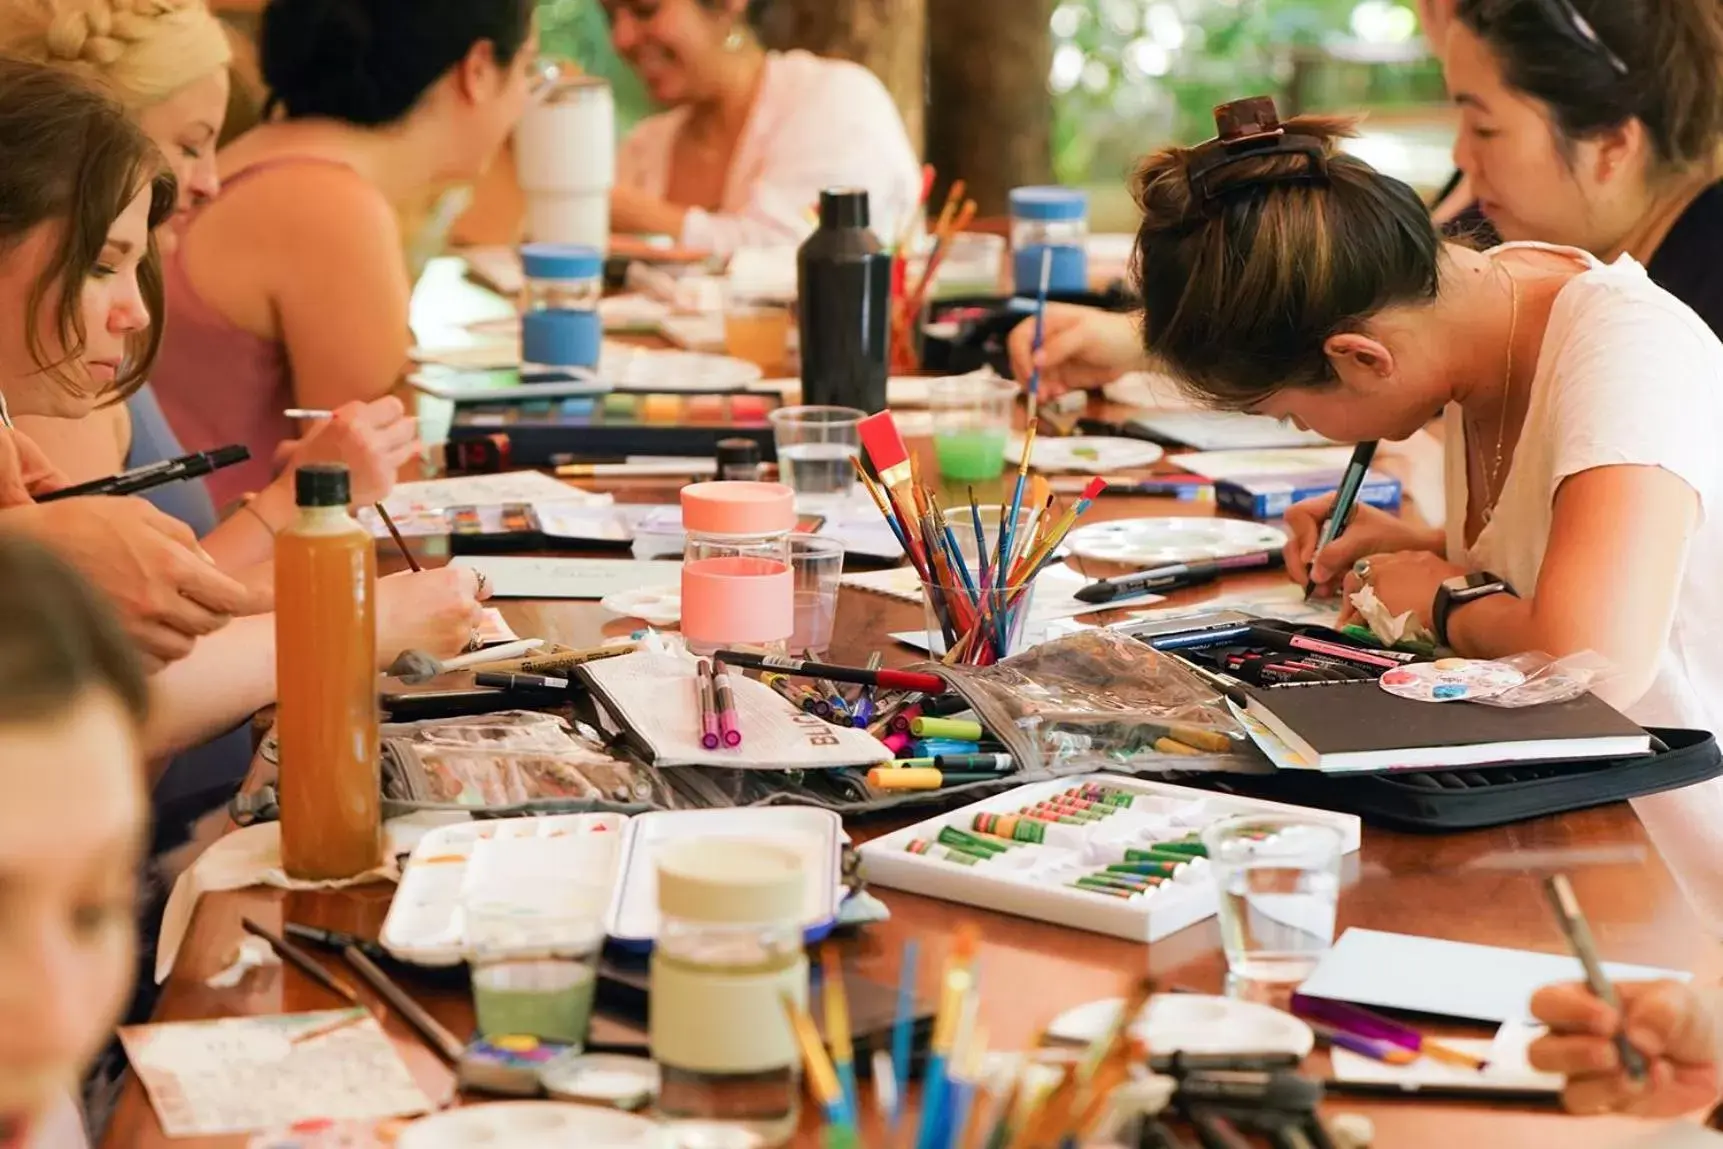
[[1460, 590]]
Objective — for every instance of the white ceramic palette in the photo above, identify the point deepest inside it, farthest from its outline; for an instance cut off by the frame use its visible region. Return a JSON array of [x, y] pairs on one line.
[[1191, 1023], [629, 368], [1158, 542], [1087, 454], [560, 858], [534, 1125]]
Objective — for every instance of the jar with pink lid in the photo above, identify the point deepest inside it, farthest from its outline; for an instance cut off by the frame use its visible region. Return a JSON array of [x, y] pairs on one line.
[[737, 585]]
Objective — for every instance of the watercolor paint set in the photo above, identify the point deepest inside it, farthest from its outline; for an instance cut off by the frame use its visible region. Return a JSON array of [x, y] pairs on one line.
[[1105, 853], [570, 857], [619, 424]]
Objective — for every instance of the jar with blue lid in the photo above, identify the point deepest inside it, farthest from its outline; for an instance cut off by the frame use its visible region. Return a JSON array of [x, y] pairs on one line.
[[560, 326], [1049, 223]]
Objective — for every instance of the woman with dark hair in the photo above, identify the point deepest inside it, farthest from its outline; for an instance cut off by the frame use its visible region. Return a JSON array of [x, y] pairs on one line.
[[289, 289], [1598, 124], [750, 137], [73, 827], [1584, 507]]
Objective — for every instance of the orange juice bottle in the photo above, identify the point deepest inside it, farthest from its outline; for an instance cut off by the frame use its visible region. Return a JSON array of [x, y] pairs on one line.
[[330, 788]]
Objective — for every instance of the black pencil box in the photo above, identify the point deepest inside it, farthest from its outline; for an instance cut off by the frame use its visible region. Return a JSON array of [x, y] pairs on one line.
[[1448, 801]]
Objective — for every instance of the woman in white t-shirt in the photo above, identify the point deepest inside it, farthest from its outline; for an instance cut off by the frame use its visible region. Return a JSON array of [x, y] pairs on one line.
[[1584, 407], [750, 137]]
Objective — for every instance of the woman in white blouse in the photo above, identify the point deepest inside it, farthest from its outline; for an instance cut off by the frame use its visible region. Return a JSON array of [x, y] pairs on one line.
[[749, 137]]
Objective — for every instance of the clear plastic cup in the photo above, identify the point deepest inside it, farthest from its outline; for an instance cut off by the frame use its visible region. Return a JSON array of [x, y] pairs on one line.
[[989, 619], [1279, 882], [815, 446], [535, 966], [971, 426], [817, 563]]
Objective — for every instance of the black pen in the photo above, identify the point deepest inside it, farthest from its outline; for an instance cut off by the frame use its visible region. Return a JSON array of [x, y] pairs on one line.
[[498, 681], [155, 475], [1578, 933], [1175, 576], [1345, 502], [334, 940]]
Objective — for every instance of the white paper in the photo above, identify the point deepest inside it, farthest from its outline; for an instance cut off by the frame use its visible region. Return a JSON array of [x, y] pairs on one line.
[[1256, 463], [1507, 1068], [1055, 588], [438, 495], [1284, 602], [1226, 430], [521, 577], [655, 693], [1449, 979]]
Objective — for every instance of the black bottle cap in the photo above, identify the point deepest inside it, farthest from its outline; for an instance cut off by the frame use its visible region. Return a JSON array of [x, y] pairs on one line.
[[843, 207], [322, 485], [737, 453]]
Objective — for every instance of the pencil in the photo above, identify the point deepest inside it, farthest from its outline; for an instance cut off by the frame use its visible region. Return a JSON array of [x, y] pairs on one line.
[[303, 962], [395, 533], [1579, 939]]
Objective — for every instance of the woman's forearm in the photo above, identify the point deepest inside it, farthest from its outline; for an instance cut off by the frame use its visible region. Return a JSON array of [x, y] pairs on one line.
[[228, 677], [247, 537]]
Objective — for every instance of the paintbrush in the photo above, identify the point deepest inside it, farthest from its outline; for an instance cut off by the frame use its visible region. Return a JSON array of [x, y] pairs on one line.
[[303, 962], [885, 448], [395, 533], [838, 1026], [822, 1076], [936, 1083], [1034, 389], [903, 1025]]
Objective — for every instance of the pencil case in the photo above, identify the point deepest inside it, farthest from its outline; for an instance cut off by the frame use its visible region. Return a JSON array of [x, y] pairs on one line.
[[1446, 801]]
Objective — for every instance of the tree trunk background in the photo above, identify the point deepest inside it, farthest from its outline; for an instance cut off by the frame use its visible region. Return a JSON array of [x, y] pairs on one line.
[[990, 118], [888, 37]]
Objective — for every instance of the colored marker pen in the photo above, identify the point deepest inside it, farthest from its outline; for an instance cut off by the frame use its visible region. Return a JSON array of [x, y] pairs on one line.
[[728, 724]]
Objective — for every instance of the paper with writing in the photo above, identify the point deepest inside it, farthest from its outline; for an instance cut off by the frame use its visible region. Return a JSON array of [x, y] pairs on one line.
[[517, 577]]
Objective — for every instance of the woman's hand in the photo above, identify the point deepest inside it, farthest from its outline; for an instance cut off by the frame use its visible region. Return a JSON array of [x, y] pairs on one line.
[[1668, 1022], [436, 611], [1081, 348], [372, 439], [1371, 532], [25, 471], [1405, 581]]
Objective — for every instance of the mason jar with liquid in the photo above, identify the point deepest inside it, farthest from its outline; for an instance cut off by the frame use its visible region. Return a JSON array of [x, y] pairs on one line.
[[738, 588], [728, 954], [1049, 230], [560, 325]]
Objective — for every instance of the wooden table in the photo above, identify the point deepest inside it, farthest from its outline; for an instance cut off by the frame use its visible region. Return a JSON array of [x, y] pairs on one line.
[[1477, 887]]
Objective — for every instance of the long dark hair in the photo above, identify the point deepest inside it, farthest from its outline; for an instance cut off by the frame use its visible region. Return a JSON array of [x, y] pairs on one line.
[[367, 62], [70, 155]]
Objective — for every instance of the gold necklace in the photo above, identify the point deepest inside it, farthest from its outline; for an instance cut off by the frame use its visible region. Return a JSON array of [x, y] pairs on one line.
[[1491, 492]]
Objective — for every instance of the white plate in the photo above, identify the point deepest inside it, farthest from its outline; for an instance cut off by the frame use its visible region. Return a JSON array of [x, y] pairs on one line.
[[533, 1125], [1157, 542], [1087, 454], [1192, 1023]]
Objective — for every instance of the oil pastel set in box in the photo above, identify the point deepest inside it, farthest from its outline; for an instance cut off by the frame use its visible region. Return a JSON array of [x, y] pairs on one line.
[[1099, 852], [619, 424]]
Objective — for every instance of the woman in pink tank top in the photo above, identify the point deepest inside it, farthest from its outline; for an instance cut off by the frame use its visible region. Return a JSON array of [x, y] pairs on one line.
[[289, 289]]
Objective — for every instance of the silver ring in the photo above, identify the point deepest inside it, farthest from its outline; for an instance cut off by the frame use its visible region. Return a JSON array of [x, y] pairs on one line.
[[1361, 568], [475, 641], [482, 581]]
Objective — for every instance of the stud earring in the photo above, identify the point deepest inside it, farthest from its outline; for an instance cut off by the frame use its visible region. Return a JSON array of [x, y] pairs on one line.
[[734, 41]]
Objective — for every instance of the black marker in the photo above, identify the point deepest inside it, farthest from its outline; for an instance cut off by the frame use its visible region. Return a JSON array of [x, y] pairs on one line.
[[1345, 502], [155, 475], [1175, 576], [519, 681]]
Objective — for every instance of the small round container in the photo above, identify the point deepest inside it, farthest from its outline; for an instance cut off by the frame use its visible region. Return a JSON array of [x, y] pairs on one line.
[[1049, 223], [738, 460], [560, 326], [737, 584]]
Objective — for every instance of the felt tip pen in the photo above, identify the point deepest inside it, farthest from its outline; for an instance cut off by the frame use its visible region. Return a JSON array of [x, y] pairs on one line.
[[729, 729], [789, 692], [1175, 575], [519, 681], [155, 475], [1578, 933], [1190, 488], [705, 696], [974, 763], [890, 679], [1345, 502]]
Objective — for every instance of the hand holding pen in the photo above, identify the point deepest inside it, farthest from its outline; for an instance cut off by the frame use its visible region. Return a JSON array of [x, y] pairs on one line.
[[1366, 531]]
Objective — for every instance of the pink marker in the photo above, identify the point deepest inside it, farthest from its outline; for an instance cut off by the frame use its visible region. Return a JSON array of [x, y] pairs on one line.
[[729, 728], [703, 690]]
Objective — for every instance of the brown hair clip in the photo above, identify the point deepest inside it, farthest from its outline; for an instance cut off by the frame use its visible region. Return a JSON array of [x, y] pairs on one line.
[[1250, 129]]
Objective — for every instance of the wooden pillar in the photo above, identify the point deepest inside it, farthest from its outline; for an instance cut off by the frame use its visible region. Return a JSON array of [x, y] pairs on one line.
[[990, 116], [886, 36]]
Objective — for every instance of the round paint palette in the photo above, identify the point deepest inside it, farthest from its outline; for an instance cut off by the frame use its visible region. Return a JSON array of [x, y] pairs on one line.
[[1087, 454], [533, 1125], [657, 606], [1192, 1023], [324, 1134], [629, 368], [1451, 680], [1158, 542]]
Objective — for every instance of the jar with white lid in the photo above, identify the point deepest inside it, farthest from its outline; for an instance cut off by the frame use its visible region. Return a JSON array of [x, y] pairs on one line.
[[560, 326], [1049, 225], [728, 953], [738, 588]]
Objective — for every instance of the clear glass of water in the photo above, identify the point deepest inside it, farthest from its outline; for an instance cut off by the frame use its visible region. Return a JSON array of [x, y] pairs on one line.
[[815, 446], [818, 564], [1279, 881]]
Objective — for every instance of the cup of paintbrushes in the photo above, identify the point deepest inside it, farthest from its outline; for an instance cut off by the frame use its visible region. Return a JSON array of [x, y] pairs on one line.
[[983, 623]]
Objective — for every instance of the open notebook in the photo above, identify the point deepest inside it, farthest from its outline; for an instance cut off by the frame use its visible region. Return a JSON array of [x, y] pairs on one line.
[[1352, 726]]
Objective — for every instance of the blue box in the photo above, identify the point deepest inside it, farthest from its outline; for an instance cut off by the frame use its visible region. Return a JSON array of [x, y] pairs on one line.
[[1269, 496]]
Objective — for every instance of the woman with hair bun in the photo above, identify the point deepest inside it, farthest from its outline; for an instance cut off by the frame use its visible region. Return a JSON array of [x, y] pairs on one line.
[[750, 137], [1581, 401], [288, 289]]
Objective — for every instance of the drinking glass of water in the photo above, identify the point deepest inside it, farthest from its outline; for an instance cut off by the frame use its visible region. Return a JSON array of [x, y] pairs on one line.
[[815, 446], [1279, 880]]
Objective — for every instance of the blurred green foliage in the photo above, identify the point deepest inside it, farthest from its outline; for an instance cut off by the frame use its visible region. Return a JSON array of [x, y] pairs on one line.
[[577, 30]]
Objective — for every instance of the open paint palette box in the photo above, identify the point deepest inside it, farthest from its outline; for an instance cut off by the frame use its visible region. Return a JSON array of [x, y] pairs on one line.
[[548, 431], [576, 856], [1034, 880]]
